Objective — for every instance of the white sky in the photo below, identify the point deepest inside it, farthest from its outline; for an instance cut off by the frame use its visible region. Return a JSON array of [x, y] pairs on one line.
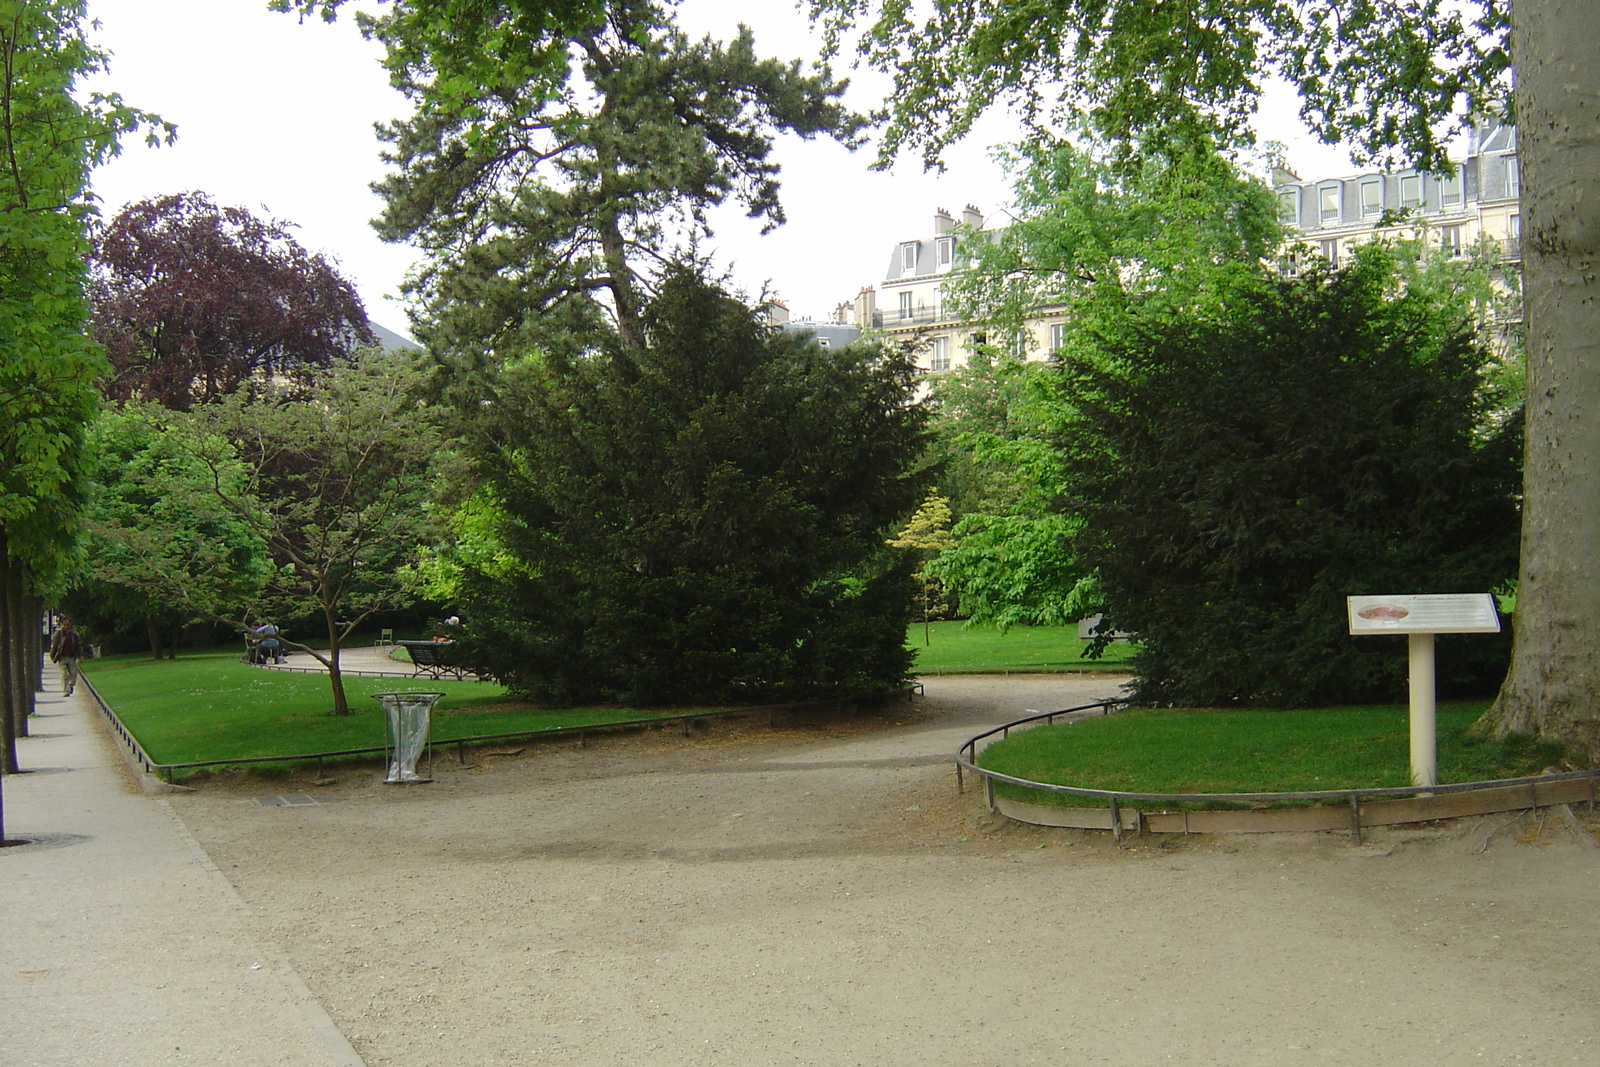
[[277, 117]]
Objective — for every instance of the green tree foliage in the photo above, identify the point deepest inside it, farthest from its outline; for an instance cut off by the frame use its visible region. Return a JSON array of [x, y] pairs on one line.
[[702, 519], [1095, 240], [49, 140], [545, 196], [1237, 470], [160, 550], [1092, 235], [335, 485], [927, 534], [995, 443], [1377, 73]]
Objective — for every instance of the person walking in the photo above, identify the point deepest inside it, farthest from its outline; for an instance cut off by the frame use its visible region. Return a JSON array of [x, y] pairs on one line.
[[66, 649]]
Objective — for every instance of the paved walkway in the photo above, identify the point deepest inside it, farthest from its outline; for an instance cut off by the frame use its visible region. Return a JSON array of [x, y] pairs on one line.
[[120, 942]]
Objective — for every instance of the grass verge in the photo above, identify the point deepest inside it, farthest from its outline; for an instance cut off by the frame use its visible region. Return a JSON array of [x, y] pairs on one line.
[[956, 648], [210, 706], [1252, 750]]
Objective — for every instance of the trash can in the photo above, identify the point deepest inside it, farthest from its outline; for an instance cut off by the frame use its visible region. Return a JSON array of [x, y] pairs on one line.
[[409, 715]]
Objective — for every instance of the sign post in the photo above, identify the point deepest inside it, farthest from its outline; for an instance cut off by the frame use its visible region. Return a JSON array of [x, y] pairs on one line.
[[1419, 617]]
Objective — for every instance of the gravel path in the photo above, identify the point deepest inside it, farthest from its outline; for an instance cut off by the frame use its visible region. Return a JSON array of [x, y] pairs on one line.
[[818, 894]]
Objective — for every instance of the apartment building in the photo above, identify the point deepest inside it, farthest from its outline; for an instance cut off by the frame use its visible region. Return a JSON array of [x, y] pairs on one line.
[[909, 304], [1477, 204]]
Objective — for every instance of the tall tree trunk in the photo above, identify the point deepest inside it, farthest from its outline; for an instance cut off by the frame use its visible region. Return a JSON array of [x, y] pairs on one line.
[[1553, 687], [10, 714], [341, 705], [152, 628], [36, 648], [19, 677]]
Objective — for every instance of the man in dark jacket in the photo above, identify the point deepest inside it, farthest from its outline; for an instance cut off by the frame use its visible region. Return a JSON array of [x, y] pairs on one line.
[[66, 649]]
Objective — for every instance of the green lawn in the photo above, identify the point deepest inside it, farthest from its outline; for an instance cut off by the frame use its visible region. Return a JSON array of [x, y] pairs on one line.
[[1252, 751], [955, 648], [210, 706]]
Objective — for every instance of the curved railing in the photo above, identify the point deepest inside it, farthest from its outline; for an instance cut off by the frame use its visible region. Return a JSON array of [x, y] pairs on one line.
[[1541, 790]]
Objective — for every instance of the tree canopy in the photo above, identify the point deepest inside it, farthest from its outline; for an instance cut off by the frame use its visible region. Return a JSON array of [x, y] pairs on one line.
[[1236, 470], [546, 197], [1374, 73], [334, 486], [702, 519], [50, 138], [193, 300]]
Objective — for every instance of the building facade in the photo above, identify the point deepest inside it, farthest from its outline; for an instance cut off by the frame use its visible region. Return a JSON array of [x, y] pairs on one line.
[[1475, 207], [910, 305]]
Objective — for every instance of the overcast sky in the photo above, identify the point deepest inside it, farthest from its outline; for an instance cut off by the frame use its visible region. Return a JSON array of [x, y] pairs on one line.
[[277, 117]]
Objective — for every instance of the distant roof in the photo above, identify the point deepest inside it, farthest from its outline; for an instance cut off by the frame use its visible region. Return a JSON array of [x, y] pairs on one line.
[[387, 338]]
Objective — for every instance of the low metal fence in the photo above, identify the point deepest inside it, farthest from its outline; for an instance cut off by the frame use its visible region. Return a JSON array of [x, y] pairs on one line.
[[686, 720], [1115, 800]]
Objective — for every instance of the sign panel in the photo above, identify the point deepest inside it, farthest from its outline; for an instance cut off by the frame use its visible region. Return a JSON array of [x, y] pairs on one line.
[[1424, 613]]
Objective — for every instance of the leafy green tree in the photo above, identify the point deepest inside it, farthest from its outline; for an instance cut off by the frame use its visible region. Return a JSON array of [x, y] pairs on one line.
[[49, 140], [1394, 78], [335, 484], [927, 534], [702, 519], [160, 550], [546, 203], [1239, 469]]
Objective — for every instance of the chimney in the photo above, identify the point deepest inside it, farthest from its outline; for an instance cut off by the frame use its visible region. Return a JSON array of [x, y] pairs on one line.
[[1282, 175], [942, 222], [972, 218], [866, 308]]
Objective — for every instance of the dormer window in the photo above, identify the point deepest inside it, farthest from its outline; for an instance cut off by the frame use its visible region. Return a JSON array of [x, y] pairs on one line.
[[1450, 192], [1330, 199], [1372, 197], [1411, 191], [908, 258], [945, 248]]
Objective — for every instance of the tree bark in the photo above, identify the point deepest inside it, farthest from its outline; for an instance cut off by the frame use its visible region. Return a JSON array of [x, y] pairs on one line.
[[1553, 687], [10, 713]]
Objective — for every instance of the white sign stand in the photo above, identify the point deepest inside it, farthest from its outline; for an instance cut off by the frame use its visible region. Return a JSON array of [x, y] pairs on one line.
[[1420, 616]]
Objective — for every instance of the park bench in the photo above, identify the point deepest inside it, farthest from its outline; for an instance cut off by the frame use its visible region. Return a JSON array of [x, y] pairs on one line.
[[434, 658]]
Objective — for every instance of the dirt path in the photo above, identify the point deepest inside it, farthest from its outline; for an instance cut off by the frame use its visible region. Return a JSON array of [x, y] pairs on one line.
[[820, 895]]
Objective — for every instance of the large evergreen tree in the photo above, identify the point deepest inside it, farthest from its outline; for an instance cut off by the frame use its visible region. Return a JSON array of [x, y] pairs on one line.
[[546, 197], [700, 519], [1239, 467]]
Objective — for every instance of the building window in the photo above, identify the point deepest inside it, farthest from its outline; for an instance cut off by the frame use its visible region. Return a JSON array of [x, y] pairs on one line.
[[1289, 206], [823, 342], [1513, 245], [976, 341], [1410, 191], [908, 258], [1450, 192], [1372, 197], [905, 305], [1450, 240], [946, 250], [1058, 336], [1513, 178], [940, 358], [1330, 251], [1289, 265], [1328, 196]]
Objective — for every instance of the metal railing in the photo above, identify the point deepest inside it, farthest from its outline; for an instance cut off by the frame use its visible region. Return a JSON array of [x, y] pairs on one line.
[[685, 719], [967, 755]]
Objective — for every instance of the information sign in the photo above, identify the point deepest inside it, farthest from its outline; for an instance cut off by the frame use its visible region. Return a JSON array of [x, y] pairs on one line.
[[1420, 616], [1424, 613]]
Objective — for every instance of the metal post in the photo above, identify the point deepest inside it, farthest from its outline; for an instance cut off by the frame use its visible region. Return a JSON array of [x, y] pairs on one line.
[[1424, 747], [1355, 817], [1116, 821]]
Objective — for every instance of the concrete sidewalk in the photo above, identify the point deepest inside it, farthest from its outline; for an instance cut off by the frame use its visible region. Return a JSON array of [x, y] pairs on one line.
[[120, 941]]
